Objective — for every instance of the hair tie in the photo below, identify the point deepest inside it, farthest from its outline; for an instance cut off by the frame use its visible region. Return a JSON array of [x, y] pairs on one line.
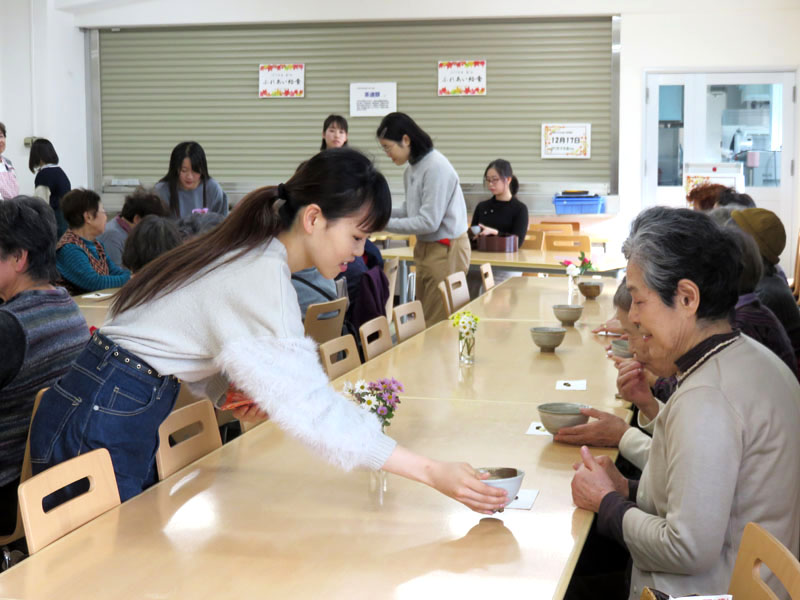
[[283, 193]]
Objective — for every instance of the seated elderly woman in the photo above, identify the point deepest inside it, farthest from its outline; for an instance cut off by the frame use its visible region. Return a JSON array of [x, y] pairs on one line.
[[41, 331], [152, 237], [725, 446], [80, 257], [137, 206]]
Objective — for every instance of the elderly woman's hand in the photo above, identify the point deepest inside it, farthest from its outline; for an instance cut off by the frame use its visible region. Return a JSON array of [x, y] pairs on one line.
[[594, 479], [606, 430], [633, 386]]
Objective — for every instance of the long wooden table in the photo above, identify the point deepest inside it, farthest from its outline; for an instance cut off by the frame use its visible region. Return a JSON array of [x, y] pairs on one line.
[[263, 516]]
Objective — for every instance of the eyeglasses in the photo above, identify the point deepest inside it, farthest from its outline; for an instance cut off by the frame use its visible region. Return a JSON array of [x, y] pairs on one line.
[[387, 149], [493, 180]]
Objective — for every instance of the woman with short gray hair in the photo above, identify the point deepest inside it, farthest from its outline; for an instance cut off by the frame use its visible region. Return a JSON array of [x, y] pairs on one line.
[[725, 449], [41, 331]]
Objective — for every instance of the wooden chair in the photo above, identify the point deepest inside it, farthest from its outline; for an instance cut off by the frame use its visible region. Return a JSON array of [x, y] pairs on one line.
[[173, 458], [445, 298], [390, 268], [411, 292], [26, 474], [534, 240], [576, 226], [759, 547], [42, 528], [409, 319], [323, 330], [565, 228], [378, 330], [487, 276], [457, 290], [334, 364], [568, 243]]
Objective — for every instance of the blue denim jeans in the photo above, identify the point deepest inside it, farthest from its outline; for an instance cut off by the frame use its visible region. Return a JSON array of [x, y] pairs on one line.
[[110, 399]]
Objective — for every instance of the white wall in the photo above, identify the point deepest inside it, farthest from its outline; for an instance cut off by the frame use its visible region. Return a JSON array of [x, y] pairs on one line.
[[42, 85], [679, 35]]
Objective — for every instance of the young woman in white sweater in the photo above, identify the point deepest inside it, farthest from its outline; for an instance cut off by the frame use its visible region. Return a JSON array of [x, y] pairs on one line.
[[221, 310], [434, 209]]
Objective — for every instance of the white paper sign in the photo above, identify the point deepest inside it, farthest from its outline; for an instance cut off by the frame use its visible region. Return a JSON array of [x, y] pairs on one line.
[[281, 80], [462, 77], [566, 140], [373, 99]]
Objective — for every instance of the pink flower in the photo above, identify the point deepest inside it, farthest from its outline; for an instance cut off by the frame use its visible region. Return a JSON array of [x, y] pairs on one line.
[[566, 263], [382, 410], [584, 261]]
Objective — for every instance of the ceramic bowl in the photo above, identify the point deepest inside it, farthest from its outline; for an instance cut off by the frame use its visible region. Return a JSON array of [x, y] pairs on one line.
[[590, 289], [621, 348], [475, 229], [547, 338], [568, 313], [505, 478], [555, 415]]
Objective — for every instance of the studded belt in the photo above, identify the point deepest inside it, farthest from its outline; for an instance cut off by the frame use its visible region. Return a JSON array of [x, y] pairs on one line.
[[116, 352]]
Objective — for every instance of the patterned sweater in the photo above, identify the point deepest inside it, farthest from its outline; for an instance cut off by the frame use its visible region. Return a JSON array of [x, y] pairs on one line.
[[41, 333]]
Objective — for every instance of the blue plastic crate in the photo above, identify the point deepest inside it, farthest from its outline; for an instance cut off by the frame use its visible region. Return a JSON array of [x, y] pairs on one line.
[[577, 205]]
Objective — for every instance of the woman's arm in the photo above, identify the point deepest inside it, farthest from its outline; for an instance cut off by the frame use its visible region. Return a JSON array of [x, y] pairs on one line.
[[74, 266], [217, 200], [520, 224], [436, 192]]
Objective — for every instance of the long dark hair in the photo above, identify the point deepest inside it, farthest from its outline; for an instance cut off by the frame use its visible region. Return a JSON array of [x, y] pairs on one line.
[[197, 157], [337, 120], [395, 125], [503, 168], [341, 181]]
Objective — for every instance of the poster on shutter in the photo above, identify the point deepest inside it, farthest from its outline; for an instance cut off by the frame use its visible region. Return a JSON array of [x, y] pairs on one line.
[[462, 78], [373, 99], [281, 81], [566, 140]]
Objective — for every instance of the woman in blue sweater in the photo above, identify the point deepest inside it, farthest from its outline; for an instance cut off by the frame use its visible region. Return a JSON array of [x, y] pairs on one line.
[[81, 259]]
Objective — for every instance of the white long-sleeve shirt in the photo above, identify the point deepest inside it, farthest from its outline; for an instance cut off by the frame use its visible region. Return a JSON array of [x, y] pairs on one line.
[[241, 322], [434, 208]]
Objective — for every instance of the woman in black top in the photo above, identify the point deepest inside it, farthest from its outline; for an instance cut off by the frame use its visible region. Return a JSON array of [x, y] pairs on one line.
[[43, 161], [502, 213]]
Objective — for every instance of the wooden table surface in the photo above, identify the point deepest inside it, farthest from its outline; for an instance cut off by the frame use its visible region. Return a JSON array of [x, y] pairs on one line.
[[264, 517], [95, 305], [532, 260]]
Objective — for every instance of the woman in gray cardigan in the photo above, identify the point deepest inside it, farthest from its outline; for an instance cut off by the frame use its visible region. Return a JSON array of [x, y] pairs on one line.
[[434, 209], [725, 449]]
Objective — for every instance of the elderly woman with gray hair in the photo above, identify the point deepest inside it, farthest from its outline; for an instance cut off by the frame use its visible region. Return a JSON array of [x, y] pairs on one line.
[[725, 449]]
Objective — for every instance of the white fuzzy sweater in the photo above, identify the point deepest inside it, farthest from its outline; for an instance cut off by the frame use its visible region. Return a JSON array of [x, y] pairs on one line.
[[241, 323]]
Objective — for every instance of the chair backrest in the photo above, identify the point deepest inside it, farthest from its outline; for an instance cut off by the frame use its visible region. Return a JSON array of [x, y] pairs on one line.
[[575, 225], [445, 297], [323, 330], [568, 243], [457, 290], [381, 340], [42, 528], [390, 268], [759, 546], [173, 458], [26, 473], [534, 240], [558, 227], [330, 353], [409, 319], [487, 276]]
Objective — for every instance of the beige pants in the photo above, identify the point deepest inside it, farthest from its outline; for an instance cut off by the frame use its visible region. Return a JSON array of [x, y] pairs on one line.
[[434, 262]]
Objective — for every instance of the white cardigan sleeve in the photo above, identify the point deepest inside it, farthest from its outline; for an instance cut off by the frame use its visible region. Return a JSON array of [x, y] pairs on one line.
[[285, 378]]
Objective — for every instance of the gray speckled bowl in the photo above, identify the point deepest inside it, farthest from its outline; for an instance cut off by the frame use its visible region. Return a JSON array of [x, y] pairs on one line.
[[555, 415], [548, 338], [568, 313]]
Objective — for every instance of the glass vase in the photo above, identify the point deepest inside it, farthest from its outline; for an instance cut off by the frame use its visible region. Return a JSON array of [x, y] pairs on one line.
[[572, 290], [378, 486], [466, 349]]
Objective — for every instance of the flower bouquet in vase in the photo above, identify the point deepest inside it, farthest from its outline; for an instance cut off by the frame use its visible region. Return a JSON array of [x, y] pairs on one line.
[[574, 270], [467, 325]]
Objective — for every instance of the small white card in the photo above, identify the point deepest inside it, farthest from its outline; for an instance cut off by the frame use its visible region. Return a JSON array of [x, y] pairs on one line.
[[524, 500], [574, 385], [537, 428]]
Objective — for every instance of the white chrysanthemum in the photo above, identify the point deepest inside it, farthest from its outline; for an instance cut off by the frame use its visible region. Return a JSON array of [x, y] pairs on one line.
[[464, 327], [370, 402], [361, 386], [347, 388], [573, 270]]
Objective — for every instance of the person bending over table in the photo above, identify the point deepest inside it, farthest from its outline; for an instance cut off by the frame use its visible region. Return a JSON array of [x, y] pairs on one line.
[[81, 258], [137, 206], [221, 310], [434, 209], [718, 459], [41, 331]]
